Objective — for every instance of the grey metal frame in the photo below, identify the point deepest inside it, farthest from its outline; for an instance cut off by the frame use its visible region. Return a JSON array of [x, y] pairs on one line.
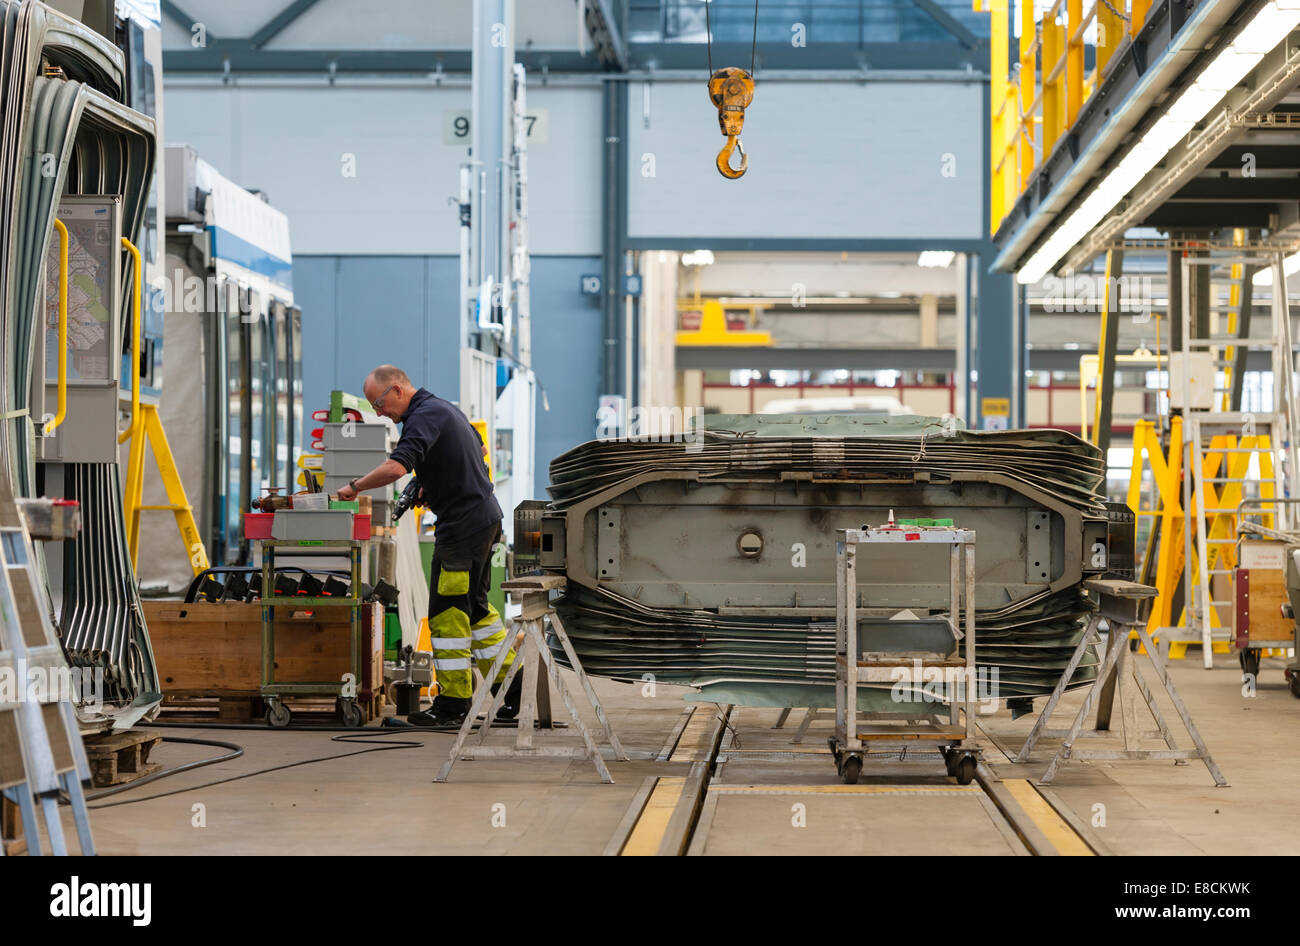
[[1202, 425]]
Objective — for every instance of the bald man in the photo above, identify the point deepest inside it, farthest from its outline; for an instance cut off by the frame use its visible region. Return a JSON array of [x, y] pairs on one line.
[[445, 452]]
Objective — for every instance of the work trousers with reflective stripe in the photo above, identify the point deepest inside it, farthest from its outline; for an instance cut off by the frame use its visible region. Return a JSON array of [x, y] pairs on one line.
[[463, 624]]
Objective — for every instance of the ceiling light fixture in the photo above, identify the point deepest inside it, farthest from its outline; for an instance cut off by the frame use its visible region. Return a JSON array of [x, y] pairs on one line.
[[936, 259]]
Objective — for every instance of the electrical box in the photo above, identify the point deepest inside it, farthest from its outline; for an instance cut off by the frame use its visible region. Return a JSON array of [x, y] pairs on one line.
[[1198, 366], [183, 200], [88, 433]]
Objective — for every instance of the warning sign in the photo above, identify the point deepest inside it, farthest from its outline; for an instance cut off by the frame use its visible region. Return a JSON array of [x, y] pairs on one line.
[[995, 413]]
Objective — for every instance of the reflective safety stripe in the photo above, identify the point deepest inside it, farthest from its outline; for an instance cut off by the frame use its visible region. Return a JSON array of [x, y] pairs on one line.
[[489, 652], [450, 643], [480, 633], [459, 664]]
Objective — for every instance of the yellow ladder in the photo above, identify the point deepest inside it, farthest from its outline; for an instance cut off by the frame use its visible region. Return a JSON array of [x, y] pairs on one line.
[[147, 430], [1225, 466], [1166, 508]]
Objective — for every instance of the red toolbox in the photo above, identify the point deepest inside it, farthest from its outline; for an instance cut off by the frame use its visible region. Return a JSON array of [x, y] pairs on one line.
[[257, 525]]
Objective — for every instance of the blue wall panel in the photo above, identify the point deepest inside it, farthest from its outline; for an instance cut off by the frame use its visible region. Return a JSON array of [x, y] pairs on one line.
[[362, 311], [567, 333]]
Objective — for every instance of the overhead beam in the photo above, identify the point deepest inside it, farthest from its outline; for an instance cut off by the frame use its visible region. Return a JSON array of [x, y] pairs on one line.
[[879, 359], [815, 359], [1237, 189], [606, 33], [870, 57], [1203, 216], [178, 15], [274, 26], [949, 23], [240, 57], [945, 62]]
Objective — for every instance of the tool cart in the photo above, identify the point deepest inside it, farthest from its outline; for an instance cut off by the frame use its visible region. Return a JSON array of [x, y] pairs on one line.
[[350, 712], [871, 650]]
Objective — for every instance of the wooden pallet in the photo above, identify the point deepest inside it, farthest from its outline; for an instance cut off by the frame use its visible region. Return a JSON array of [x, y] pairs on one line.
[[121, 757], [210, 709]]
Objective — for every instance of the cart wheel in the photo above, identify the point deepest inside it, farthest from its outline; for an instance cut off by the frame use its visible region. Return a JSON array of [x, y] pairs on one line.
[[965, 770], [950, 762], [351, 714], [1295, 685], [851, 769], [1249, 660], [277, 714]]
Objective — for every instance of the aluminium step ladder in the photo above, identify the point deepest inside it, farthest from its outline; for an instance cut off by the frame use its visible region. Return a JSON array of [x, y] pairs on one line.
[[41, 753]]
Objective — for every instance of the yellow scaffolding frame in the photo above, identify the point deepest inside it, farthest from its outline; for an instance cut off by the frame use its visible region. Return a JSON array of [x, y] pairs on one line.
[[1033, 104], [1226, 457]]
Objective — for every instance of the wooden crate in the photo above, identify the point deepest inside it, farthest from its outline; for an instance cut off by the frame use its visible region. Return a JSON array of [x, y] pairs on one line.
[[11, 829], [1259, 596], [121, 757], [214, 649]]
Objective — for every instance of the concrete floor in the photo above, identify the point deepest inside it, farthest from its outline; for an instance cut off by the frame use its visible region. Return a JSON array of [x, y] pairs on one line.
[[386, 802]]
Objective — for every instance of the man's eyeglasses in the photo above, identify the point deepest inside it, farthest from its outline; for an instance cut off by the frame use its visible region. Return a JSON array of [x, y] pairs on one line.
[[379, 403]]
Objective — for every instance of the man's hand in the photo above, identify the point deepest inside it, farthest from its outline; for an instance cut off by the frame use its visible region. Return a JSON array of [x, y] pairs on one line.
[[387, 472]]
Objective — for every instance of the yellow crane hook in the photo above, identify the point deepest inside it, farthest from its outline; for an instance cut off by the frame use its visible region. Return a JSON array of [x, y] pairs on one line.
[[731, 90]]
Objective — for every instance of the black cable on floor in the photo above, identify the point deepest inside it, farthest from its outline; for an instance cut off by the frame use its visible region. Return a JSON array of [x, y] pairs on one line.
[[352, 736], [234, 753], [348, 734], [262, 727]]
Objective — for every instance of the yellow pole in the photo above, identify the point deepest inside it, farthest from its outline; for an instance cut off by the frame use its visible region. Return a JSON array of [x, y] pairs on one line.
[[1053, 115], [1137, 13], [1234, 301], [62, 410], [135, 347], [998, 102], [1105, 378], [1025, 82], [1109, 30], [1073, 61]]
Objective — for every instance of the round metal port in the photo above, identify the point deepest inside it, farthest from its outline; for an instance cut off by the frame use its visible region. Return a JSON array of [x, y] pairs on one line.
[[750, 543]]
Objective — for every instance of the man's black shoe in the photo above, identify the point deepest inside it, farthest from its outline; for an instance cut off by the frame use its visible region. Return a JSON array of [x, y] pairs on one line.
[[445, 711], [510, 707]]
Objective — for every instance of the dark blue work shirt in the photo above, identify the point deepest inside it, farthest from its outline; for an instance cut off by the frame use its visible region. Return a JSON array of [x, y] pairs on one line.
[[445, 452]]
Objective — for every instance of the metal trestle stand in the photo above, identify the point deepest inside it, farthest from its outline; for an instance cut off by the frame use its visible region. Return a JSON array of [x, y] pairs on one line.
[[533, 595], [1120, 607]]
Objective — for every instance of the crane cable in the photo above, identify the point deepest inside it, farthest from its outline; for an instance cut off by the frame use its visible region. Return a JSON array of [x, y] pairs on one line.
[[708, 37]]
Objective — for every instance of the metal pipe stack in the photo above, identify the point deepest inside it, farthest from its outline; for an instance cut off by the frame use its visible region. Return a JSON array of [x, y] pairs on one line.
[[67, 131], [709, 560]]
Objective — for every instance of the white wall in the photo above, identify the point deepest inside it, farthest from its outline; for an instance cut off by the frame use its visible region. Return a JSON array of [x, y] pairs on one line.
[[290, 141], [827, 160]]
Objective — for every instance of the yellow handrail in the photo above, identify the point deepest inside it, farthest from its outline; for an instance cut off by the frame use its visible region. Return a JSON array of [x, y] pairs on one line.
[[1033, 105], [62, 411], [126, 435]]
